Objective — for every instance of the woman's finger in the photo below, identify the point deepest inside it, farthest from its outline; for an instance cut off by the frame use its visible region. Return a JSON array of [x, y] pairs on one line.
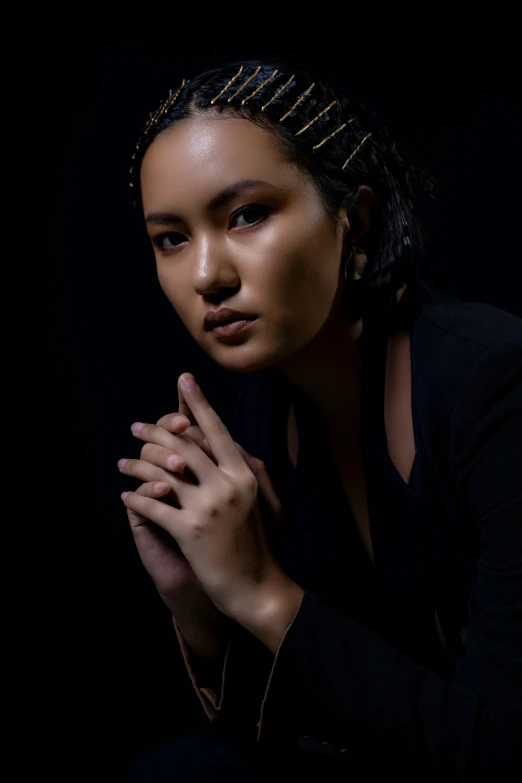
[[166, 515], [196, 459], [203, 445], [183, 406], [151, 489], [174, 422], [180, 425], [163, 457], [151, 470], [212, 427]]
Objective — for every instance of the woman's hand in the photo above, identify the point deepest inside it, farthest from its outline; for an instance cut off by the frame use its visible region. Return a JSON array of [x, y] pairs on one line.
[[184, 422], [218, 524]]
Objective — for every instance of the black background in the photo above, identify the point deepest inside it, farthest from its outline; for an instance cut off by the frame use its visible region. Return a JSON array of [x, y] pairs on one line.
[[94, 345]]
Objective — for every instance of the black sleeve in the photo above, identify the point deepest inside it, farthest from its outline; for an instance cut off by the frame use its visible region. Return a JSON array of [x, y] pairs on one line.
[[338, 687]]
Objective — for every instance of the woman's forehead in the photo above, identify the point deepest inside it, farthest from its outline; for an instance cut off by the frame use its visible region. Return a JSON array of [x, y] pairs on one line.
[[211, 153], [207, 140]]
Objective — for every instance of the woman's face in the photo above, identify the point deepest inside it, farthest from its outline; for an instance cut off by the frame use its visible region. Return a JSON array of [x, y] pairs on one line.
[[265, 248]]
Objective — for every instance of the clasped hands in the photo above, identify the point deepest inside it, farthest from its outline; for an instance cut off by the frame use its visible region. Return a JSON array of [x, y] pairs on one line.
[[218, 526]]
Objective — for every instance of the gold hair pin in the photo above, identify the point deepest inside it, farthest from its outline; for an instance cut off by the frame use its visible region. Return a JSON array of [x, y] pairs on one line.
[[259, 88], [164, 106], [225, 88], [316, 118], [356, 150], [153, 118], [245, 83], [331, 134], [298, 101], [278, 93]]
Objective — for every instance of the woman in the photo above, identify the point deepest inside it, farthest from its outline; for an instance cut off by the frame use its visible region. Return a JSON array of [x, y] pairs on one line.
[[344, 569]]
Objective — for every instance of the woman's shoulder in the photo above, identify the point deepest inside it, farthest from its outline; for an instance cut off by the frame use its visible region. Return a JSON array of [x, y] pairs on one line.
[[450, 337], [443, 316], [464, 356]]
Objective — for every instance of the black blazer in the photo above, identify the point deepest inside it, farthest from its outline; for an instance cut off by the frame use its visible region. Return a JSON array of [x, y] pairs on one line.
[[338, 697]]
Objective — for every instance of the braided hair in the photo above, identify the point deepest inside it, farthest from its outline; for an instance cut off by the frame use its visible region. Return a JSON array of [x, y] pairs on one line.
[[341, 145]]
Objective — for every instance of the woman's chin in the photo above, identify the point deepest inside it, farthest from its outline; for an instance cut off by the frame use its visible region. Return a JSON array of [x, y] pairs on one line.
[[244, 362]]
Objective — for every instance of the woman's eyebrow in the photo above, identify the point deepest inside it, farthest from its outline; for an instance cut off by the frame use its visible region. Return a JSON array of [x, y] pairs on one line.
[[215, 202]]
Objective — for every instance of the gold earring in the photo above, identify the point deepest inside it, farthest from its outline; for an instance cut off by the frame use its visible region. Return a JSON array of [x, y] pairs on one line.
[[359, 262], [400, 292]]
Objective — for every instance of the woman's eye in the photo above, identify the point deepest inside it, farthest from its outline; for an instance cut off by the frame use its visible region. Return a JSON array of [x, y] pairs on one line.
[[252, 214], [166, 242]]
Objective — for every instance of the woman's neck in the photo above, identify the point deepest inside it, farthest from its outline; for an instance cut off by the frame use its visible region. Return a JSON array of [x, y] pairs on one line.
[[329, 372]]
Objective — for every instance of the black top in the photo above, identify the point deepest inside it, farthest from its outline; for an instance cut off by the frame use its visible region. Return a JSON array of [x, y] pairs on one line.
[[324, 552], [359, 675]]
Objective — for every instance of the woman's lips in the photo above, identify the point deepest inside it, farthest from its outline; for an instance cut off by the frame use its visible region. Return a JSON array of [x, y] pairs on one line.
[[233, 328]]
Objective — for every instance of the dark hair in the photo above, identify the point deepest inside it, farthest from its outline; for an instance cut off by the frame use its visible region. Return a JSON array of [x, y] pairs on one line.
[[398, 239]]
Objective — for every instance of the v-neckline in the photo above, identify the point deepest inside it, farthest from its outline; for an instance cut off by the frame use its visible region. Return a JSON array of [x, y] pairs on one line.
[[374, 367]]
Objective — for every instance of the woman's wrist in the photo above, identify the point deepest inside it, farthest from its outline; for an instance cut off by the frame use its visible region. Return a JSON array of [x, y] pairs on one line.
[[208, 645]]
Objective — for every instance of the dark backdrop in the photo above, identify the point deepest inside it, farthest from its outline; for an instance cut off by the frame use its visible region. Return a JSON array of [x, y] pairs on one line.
[[94, 344]]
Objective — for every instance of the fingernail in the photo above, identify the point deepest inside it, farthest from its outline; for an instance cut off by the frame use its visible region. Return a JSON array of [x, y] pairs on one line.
[[121, 463], [137, 426], [123, 495], [188, 383]]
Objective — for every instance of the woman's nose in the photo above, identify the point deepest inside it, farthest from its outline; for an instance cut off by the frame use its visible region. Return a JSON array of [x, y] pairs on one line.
[[214, 268]]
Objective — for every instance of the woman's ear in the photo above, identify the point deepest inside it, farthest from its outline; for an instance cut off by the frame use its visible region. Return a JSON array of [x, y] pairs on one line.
[[362, 215]]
